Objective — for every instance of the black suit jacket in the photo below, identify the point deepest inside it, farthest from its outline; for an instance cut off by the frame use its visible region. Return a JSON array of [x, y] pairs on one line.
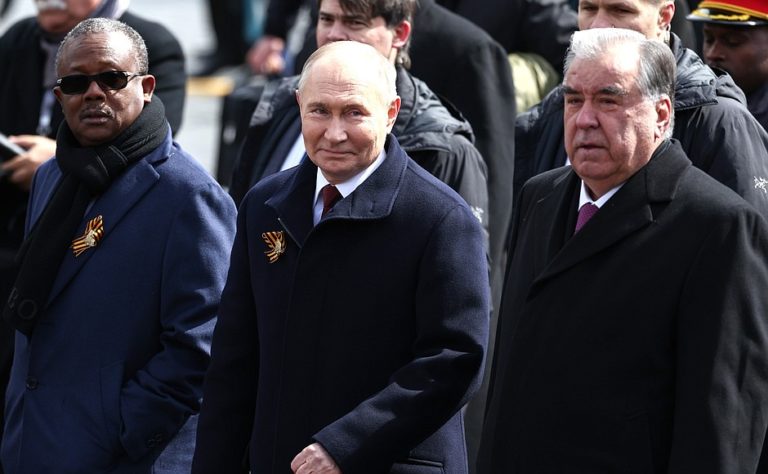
[[639, 344]]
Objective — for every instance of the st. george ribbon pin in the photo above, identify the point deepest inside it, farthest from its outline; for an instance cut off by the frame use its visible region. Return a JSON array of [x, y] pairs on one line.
[[275, 241], [94, 231]]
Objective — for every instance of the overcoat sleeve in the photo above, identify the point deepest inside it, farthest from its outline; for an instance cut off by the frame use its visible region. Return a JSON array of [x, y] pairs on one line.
[[722, 355], [462, 168], [224, 427], [160, 397]]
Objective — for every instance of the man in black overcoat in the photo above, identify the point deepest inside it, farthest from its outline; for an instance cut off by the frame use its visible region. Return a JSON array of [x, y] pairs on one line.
[[633, 334]]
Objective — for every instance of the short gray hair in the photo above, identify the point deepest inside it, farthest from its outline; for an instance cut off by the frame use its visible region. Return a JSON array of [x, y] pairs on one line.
[[105, 26], [657, 68], [364, 56]]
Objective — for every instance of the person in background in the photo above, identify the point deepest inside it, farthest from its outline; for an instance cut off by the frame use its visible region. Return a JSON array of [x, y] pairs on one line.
[[633, 334], [354, 320], [119, 278], [736, 40]]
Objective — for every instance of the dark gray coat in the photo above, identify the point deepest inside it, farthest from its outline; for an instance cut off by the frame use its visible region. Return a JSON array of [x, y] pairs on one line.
[[639, 344]]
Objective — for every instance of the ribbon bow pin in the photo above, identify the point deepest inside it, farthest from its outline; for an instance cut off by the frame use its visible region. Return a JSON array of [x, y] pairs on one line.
[[94, 231], [275, 241]]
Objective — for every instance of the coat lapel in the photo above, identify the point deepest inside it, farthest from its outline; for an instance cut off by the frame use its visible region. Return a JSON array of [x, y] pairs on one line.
[[293, 202], [113, 205], [627, 212], [371, 200], [375, 198]]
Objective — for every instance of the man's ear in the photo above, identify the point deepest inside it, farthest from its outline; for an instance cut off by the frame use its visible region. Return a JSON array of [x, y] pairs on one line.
[[402, 33], [57, 93], [394, 109], [664, 113], [666, 12], [148, 86]]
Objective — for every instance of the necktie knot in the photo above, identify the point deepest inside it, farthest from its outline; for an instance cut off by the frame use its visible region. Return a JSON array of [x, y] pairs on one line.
[[585, 214], [330, 196]]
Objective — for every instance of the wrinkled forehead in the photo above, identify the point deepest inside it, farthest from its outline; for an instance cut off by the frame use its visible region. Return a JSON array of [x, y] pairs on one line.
[[113, 49], [614, 70], [340, 72]]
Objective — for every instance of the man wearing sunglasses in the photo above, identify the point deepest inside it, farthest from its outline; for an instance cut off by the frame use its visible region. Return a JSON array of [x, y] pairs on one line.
[[30, 114], [119, 278]]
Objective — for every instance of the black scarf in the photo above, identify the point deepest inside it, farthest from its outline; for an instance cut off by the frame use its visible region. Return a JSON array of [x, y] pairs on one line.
[[87, 173]]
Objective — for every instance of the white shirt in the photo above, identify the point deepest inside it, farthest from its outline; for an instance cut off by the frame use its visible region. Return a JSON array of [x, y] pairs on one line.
[[345, 188], [295, 154], [585, 198]]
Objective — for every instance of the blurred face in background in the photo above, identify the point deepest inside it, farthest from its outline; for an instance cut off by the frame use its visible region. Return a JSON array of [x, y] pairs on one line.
[[649, 17], [334, 24], [740, 50], [60, 16]]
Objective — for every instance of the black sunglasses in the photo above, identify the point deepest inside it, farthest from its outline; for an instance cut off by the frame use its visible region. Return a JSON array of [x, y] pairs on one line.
[[110, 80]]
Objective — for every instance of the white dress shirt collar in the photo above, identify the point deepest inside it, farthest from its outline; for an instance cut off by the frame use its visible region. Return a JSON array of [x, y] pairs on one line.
[[584, 196], [345, 188]]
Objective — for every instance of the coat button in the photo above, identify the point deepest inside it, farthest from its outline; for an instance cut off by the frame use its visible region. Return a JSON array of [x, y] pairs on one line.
[[31, 383]]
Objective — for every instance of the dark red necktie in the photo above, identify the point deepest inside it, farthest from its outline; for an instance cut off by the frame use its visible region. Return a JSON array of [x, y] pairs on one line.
[[585, 214], [330, 196]]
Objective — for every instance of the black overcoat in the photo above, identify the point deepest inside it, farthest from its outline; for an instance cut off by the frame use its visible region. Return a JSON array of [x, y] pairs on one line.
[[639, 344]]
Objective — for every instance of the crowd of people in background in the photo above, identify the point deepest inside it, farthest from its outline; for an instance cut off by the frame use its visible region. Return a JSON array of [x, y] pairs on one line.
[[459, 236]]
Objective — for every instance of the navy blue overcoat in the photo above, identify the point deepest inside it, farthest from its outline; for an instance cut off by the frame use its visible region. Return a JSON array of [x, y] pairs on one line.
[[111, 378], [366, 335]]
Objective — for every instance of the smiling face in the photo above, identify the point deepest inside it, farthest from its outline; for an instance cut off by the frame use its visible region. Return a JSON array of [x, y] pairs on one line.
[[649, 17], [345, 116], [740, 50], [97, 116], [611, 129]]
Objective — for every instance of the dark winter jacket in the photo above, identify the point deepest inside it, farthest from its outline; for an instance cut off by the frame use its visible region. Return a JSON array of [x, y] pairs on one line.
[[439, 140], [712, 123], [757, 103]]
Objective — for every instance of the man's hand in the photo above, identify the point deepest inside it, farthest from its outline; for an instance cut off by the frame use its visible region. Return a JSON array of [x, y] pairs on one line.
[[314, 458], [22, 168], [266, 56]]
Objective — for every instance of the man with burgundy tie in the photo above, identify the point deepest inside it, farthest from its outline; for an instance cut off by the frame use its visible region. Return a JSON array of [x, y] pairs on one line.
[[354, 319], [633, 334]]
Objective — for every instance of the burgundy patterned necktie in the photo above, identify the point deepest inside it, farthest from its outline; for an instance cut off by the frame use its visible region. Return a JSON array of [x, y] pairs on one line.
[[585, 214], [330, 196]]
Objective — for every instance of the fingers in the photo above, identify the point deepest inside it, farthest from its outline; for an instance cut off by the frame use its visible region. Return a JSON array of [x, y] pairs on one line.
[[266, 56], [21, 170], [314, 459], [24, 141]]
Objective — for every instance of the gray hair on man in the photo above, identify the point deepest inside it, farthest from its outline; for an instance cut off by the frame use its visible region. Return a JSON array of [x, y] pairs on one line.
[[104, 26], [359, 55], [656, 71]]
